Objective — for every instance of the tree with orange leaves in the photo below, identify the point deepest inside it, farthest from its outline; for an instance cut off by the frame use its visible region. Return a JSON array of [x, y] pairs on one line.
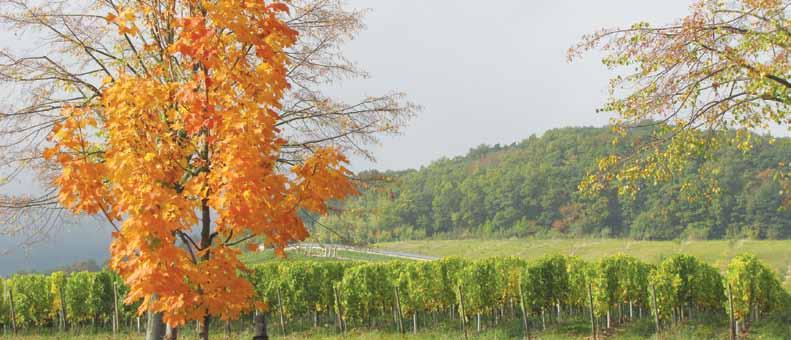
[[189, 139]]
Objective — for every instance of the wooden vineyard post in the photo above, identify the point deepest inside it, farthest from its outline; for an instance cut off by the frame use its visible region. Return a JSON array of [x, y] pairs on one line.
[[338, 310], [13, 311], [63, 308], [463, 313], [656, 311], [732, 319], [525, 323], [280, 309], [592, 317], [414, 322], [398, 310], [115, 308]]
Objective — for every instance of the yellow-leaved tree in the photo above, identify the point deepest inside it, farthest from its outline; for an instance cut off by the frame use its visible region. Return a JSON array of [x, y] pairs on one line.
[[183, 148]]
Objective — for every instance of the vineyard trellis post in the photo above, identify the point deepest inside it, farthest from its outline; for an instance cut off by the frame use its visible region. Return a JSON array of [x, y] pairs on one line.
[[338, 310], [115, 308], [12, 310], [525, 323], [463, 312], [63, 308], [656, 312], [731, 319], [592, 317], [280, 309], [398, 310]]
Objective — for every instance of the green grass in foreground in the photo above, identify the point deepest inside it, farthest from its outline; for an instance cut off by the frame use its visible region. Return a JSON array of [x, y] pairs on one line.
[[578, 329], [775, 253]]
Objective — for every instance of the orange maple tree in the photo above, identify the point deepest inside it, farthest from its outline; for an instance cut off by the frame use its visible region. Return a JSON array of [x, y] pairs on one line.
[[190, 144]]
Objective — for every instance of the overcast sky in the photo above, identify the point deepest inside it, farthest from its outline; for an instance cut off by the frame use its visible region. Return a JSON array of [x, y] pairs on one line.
[[483, 71], [488, 71]]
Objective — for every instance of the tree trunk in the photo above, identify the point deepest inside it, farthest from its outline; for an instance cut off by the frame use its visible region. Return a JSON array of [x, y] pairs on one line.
[[171, 333], [479, 322], [414, 322], [259, 332], [206, 241], [155, 329]]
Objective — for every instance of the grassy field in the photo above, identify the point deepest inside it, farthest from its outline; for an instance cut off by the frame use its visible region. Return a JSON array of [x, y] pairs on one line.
[[297, 255], [776, 253]]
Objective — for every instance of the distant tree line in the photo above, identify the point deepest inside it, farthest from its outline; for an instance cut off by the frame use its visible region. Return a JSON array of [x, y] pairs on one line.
[[529, 189]]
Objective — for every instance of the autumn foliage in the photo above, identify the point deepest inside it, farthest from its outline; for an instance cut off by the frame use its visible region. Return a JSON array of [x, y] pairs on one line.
[[191, 138], [723, 66]]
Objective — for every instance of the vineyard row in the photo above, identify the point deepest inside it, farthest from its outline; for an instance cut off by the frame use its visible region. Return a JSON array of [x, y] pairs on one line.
[[404, 295]]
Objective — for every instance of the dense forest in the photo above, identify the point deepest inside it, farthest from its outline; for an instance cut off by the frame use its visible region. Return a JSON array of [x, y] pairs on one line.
[[529, 189]]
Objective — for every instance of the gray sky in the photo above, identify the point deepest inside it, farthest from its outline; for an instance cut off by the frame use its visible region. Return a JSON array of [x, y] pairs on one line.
[[488, 71], [484, 72]]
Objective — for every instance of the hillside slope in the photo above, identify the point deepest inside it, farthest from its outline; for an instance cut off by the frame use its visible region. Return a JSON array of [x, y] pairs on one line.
[[530, 189]]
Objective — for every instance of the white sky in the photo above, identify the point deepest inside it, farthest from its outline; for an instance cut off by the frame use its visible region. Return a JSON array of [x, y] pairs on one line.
[[484, 72]]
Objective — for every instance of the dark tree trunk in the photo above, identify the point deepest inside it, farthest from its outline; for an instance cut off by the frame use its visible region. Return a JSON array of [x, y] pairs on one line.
[[171, 333], [155, 330], [260, 327], [206, 239]]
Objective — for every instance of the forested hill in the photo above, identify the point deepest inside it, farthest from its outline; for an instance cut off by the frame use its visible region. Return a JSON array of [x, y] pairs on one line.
[[530, 189]]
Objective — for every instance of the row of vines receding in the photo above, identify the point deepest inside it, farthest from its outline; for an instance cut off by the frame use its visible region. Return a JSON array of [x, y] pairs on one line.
[[407, 296]]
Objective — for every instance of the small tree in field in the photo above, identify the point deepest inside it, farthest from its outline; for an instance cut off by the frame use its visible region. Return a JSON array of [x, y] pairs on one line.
[[190, 138]]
